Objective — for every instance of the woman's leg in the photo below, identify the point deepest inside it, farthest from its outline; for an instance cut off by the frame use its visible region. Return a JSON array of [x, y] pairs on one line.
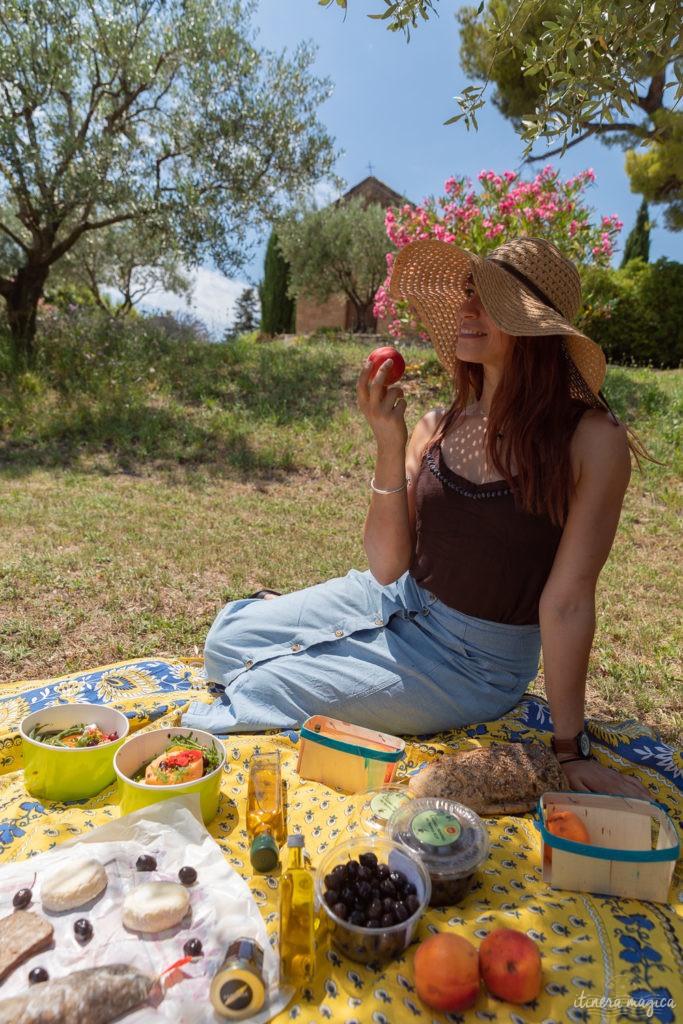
[[390, 658]]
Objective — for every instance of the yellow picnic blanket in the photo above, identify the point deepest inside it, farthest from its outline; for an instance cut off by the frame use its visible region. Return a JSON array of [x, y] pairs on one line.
[[604, 958]]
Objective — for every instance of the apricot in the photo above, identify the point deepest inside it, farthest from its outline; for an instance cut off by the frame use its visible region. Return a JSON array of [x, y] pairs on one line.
[[447, 972], [567, 825], [510, 965]]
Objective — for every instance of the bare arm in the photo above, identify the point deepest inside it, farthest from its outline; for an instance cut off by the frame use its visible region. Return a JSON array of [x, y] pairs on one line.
[[602, 467], [389, 534]]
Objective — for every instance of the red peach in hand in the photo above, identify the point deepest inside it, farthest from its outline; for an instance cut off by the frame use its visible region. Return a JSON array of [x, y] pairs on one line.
[[447, 972], [380, 355], [510, 964]]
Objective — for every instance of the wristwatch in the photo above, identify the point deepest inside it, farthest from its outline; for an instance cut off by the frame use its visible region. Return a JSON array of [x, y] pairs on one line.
[[580, 746]]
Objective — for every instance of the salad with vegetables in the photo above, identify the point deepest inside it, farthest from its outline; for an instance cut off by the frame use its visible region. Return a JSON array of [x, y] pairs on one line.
[[183, 760], [79, 735]]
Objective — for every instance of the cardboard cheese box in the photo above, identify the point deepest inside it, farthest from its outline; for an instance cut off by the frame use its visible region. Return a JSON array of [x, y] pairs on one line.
[[347, 756]]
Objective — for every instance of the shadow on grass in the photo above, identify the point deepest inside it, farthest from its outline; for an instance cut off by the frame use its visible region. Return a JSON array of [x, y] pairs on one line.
[[214, 414]]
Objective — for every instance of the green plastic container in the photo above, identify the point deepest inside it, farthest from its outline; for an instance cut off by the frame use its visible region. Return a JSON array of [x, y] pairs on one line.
[[64, 773], [144, 747]]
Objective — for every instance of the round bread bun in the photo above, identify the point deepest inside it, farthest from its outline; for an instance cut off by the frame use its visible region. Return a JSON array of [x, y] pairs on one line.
[[155, 906], [72, 884]]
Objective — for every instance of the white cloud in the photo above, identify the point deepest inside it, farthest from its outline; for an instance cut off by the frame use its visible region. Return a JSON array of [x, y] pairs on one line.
[[212, 299]]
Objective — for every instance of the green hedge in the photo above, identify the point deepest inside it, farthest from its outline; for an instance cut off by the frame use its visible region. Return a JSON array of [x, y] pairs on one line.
[[645, 325]]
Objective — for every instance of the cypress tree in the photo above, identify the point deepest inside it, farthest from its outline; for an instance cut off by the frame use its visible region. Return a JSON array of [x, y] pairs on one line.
[[277, 309], [638, 241]]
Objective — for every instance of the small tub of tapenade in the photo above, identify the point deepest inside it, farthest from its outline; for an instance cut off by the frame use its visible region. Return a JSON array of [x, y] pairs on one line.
[[376, 806], [450, 839]]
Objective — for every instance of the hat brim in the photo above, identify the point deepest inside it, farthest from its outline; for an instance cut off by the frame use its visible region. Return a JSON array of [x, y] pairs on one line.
[[432, 275]]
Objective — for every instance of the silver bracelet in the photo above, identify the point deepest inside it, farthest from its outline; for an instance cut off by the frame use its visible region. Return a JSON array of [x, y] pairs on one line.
[[378, 490]]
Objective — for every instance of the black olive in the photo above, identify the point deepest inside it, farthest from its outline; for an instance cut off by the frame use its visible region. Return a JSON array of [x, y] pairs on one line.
[[387, 888], [192, 947], [387, 920], [409, 889], [330, 881], [83, 930], [146, 863], [375, 908], [187, 875], [357, 917], [412, 903], [364, 890], [365, 874], [399, 879], [347, 895], [401, 913], [338, 873], [383, 871], [340, 910], [352, 870], [331, 896], [373, 922], [22, 898], [37, 974], [369, 859]]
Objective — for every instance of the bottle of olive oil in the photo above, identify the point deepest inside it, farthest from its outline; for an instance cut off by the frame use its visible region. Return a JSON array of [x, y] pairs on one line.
[[265, 813], [297, 911]]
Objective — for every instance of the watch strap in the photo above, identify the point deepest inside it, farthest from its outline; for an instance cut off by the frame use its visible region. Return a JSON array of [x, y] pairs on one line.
[[578, 745]]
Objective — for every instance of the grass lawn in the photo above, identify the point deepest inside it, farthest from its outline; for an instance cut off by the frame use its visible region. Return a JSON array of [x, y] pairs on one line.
[[145, 485]]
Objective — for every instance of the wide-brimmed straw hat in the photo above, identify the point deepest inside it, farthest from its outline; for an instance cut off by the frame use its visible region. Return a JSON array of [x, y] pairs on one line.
[[527, 286]]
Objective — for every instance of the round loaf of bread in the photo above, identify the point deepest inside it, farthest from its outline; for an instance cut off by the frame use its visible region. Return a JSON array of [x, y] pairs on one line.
[[72, 884], [155, 906]]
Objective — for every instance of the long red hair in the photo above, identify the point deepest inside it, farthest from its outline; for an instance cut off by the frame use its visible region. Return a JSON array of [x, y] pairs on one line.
[[530, 424]]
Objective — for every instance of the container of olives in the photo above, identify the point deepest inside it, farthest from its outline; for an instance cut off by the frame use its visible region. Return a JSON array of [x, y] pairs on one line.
[[450, 840], [372, 892]]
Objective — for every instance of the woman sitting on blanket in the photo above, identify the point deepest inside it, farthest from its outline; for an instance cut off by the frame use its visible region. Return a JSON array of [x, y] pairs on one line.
[[485, 538]]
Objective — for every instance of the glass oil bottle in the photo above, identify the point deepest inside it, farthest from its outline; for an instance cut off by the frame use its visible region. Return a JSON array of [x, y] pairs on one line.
[[265, 813], [297, 913]]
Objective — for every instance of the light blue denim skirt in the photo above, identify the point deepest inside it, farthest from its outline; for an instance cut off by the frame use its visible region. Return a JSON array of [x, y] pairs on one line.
[[392, 658]]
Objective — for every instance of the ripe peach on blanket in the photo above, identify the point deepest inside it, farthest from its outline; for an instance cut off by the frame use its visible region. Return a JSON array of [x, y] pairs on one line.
[[380, 355], [510, 964], [447, 972], [567, 825]]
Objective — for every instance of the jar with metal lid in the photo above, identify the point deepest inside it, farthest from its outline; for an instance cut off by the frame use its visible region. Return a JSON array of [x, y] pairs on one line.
[[238, 989]]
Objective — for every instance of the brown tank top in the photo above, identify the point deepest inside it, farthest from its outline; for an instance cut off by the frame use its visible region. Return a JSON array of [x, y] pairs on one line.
[[475, 550]]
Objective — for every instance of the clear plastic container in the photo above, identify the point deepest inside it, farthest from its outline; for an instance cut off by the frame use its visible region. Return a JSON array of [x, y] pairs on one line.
[[450, 840], [376, 806], [376, 944]]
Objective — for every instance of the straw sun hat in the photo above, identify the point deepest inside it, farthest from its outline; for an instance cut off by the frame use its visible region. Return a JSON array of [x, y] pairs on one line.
[[527, 286]]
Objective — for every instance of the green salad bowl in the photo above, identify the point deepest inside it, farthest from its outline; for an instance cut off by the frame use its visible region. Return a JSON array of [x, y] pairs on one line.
[[70, 773], [144, 747]]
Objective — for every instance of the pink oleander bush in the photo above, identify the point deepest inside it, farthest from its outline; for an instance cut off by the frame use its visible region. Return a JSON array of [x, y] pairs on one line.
[[502, 207]]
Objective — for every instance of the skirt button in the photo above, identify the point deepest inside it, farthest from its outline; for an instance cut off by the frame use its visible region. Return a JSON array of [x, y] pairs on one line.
[[296, 647], [248, 664], [339, 632], [379, 622]]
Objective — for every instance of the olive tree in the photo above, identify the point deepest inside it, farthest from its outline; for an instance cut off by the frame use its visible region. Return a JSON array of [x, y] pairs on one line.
[[565, 71], [341, 248], [160, 113]]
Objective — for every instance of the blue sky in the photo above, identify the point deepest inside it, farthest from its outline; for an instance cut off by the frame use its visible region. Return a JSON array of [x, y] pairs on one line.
[[387, 110]]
